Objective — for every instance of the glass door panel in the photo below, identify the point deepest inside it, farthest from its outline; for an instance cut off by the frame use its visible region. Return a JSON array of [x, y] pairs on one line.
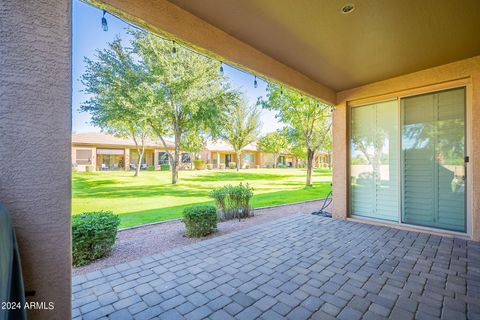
[[374, 159], [433, 151]]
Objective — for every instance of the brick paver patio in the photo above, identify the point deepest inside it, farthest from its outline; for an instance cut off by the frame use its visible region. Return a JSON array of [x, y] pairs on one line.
[[297, 268]]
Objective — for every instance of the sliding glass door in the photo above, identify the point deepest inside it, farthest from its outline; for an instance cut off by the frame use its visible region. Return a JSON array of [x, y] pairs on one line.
[[374, 154], [432, 164]]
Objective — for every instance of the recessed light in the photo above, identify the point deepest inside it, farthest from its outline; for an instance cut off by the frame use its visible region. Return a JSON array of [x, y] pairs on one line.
[[348, 8]]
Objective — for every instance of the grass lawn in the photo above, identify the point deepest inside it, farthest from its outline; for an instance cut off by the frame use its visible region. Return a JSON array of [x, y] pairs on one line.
[[150, 197]]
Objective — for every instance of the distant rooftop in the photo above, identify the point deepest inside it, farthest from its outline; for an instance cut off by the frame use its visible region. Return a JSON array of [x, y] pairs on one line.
[[103, 138]]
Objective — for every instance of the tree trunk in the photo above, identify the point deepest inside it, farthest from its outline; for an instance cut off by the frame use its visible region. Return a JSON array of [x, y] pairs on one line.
[[310, 155], [139, 163], [176, 159], [238, 161]]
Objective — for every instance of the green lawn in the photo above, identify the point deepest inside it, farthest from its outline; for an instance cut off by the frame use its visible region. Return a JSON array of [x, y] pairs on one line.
[[150, 197]]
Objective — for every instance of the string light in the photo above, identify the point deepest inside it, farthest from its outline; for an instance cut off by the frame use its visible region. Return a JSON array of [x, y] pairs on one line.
[[174, 49], [104, 22]]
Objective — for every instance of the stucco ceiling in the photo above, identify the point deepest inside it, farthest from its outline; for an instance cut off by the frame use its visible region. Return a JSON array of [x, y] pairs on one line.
[[380, 39]]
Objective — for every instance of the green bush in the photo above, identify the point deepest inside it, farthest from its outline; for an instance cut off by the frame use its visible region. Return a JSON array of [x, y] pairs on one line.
[[89, 168], [200, 221], [281, 166], [257, 166], [93, 236], [221, 166], [232, 165], [164, 167], [233, 201], [199, 164], [150, 168], [209, 166], [269, 166]]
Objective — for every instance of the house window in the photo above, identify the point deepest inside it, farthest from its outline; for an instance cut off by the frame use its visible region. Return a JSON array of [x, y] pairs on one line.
[[281, 160], [186, 158], [163, 158], [248, 158], [84, 156]]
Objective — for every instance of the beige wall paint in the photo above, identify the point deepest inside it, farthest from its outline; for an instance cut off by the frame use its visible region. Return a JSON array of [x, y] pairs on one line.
[[464, 72], [163, 17], [35, 144]]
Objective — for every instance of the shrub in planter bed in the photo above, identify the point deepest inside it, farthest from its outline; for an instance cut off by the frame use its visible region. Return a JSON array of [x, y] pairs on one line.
[[200, 221], [93, 236], [232, 165], [164, 167], [233, 201], [221, 166], [209, 166], [199, 164]]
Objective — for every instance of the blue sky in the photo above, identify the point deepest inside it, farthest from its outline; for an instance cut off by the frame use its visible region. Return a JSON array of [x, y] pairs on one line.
[[88, 36]]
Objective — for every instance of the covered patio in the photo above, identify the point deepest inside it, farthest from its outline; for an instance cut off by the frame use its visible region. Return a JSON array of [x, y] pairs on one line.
[[347, 55], [299, 267]]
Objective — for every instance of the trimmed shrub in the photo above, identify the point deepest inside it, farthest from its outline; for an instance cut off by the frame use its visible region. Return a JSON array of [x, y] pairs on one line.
[[233, 201], [150, 168], [269, 166], [199, 164], [257, 166], [281, 166], [93, 236], [221, 166], [200, 221], [232, 165], [209, 166], [165, 167], [89, 168]]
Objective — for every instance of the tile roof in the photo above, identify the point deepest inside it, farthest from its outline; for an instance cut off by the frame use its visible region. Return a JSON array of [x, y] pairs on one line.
[[102, 138]]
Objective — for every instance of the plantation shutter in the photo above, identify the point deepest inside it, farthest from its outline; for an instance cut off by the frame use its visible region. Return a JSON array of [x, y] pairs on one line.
[[433, 142], [374, 161]]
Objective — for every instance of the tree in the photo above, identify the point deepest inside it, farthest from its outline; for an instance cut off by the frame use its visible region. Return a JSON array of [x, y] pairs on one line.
[[295, 144], [194, 144], [310, 119], [241, 126], [118, 102], [190, 94], [273, 142]]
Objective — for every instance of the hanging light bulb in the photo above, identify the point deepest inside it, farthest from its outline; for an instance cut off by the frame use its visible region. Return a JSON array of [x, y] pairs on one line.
[[221, 68], [255, 83], [104, 22], [174, 49]]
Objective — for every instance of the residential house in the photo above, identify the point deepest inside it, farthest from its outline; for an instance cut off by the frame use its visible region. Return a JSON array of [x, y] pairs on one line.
[[99, 151]]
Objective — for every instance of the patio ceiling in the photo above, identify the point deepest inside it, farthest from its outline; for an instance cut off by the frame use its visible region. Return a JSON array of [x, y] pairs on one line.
[[377, 41]]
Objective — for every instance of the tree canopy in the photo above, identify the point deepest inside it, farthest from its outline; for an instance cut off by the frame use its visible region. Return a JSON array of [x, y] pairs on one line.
[[241, 126], [308, 119], [273, 142]]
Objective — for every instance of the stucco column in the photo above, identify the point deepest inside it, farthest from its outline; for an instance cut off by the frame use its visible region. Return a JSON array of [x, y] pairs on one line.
[[339, 155], [218, 160], [35, 144], [126, 159], [155, 159]]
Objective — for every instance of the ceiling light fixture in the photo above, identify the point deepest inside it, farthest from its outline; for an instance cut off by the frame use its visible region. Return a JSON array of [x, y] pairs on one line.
[[348, 8]]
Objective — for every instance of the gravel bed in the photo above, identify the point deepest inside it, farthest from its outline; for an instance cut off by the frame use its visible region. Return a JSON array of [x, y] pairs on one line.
[[136, 243]]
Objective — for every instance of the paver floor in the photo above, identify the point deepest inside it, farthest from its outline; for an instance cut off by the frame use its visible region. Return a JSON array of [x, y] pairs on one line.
[[299, 267]]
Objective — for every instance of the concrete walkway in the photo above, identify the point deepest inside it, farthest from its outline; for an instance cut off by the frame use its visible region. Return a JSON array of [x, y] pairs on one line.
[[298, 267]]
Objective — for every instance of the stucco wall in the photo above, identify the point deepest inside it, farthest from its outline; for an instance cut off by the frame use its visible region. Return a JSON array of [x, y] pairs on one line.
[[465, 72], [35, 152]]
